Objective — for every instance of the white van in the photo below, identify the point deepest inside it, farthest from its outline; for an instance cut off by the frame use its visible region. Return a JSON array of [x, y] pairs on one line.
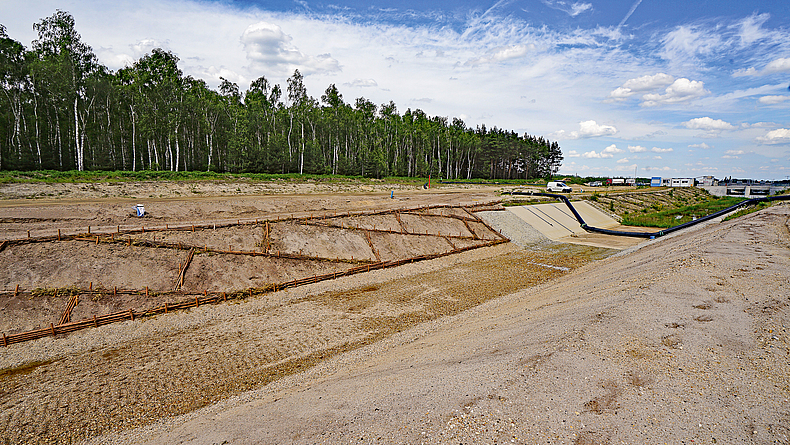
[[557, 186]]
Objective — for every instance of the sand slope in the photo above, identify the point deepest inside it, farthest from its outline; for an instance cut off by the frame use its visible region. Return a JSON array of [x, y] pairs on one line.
[[684, 340]]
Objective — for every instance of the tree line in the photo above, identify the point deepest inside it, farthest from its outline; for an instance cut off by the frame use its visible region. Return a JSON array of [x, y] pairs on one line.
[[62, 110]]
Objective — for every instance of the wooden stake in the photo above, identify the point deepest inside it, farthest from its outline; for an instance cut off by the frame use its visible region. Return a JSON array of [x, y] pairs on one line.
[[197, 302], [95, 323], [89, 230], [165, 307], [16, 291], [28, 233], [131, 314], [52, 326], [146, 291], [58, 234], [115, 291], [90, 286], [5, 340]]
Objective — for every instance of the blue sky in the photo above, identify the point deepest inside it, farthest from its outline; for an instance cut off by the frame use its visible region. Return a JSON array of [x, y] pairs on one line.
[[665, 88]]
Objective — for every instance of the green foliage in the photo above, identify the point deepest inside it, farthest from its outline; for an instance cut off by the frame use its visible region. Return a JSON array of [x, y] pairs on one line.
[[673, 217], [747, 210], [75, 176], [61, 111]]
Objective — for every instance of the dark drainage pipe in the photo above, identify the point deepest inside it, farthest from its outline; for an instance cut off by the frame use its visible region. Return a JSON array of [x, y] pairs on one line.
[[652, 235]]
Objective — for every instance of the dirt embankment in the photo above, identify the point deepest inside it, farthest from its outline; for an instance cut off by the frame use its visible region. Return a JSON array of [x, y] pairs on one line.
[[684, 339]]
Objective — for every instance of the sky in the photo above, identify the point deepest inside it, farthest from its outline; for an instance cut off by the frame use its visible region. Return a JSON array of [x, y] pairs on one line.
[[639, 87]]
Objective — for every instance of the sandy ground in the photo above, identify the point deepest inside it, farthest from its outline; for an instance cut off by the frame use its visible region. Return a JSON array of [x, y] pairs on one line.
[[681, 340]]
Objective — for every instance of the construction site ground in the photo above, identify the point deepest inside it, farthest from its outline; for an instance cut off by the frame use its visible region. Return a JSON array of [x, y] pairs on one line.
[[478, 340]]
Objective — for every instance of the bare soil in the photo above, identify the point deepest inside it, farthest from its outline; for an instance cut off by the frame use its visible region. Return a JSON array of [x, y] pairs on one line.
[[681, 339]]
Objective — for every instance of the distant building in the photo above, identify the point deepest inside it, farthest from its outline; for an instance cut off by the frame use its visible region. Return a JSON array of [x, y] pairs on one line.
[[682, 182]]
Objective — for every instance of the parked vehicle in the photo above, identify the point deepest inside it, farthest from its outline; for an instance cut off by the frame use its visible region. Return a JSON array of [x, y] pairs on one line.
[[557, 186]]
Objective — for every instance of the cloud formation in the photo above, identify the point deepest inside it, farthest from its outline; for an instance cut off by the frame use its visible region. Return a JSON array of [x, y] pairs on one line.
[[773, 100], [640, 84], [702, 145], [708, 124], [270, 49], [778, 136], [572, 9], [681, 90], [781, 65], [501, 54], [587, 129], [362, 83]]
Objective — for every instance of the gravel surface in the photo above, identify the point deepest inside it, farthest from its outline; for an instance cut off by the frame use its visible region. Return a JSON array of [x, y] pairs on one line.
[[683, 340], [514, 228]]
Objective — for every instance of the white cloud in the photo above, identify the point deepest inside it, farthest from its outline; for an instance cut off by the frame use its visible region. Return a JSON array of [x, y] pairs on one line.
[[591, 129], [773, 100], [681, 90], [781, 65], [657, 157], [612, 149], [743, 72], [640, 84], [734, 152], [269, 48], [573, 154], [587, 129], [686, 43], [661, 150], [778, 136], [777, 66], [572, 9], [623, 161], [708, 124], [750, 28], [702, 145], [501, 54], [592, 155], [637, 149], [362, 83]]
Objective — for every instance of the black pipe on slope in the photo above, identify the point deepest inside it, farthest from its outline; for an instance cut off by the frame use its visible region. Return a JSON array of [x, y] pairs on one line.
[[660, 232]]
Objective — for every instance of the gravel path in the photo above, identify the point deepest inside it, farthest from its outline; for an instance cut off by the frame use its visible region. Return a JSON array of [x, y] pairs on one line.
[[681, 341]]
